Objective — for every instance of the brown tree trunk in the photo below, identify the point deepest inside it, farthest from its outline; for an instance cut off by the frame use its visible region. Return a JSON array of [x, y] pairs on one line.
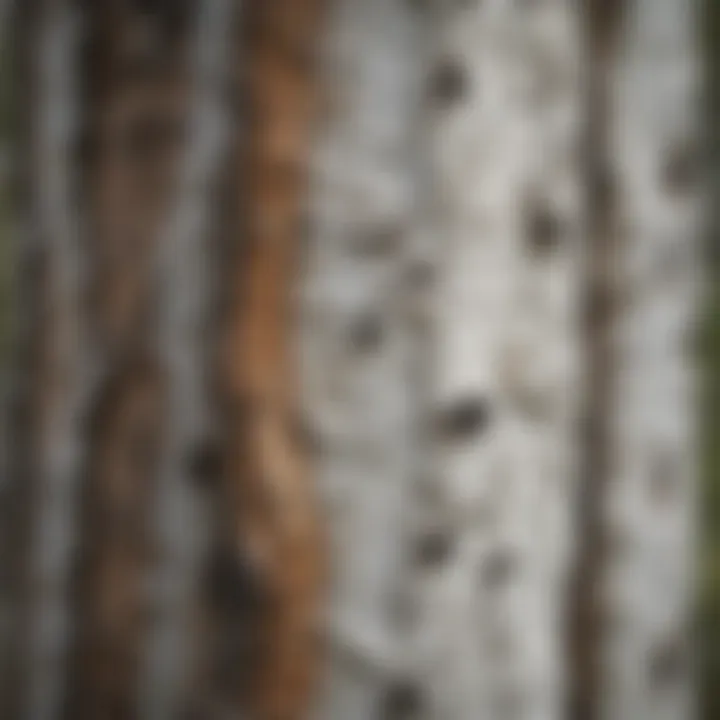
[[276, 506]]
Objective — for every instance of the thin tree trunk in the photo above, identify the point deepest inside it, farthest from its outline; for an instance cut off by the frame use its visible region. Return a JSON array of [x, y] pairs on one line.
[[277, 513], [135, 89], [60, 369], [648, 580], [185, 284], [354, 337]]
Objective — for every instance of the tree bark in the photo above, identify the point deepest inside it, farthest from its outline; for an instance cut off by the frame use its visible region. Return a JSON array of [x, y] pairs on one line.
[[495, 538], [277, 528], [648, 586], [135, 103], [356, 337], [184, 303]]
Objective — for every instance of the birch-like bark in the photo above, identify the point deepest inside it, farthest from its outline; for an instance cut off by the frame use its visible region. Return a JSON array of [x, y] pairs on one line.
[[354, 336], [183, 315], [56, 232], [491, 524], [648, 581]]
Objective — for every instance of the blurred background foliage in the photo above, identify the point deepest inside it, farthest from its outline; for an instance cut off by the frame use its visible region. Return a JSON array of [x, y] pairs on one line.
[[6, 123], [709, 596]]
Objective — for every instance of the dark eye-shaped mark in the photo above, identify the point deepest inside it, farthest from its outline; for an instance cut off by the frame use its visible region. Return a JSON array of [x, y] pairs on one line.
[[449, 82], [205, 463], [366, 333], [433, 548], [463, 419], [543, 228], [402, 701], [680, 169]]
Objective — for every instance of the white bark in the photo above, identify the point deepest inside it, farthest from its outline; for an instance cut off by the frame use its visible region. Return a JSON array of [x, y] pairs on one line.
[[473, 540], [55, 230], [494, 537], [649, 581], [184, 277], [353, 336]]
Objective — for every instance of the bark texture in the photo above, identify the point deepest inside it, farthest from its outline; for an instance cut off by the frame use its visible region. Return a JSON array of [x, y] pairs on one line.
[[495, 540], [355, 335], [653, 149], [183, 317], [277, 530], [135, 102], [54, 240], [367, 506]]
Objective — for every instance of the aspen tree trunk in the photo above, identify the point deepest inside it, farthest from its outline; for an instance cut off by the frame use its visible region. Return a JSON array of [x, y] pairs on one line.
[[645, 665], [503, 94], [354, 337]]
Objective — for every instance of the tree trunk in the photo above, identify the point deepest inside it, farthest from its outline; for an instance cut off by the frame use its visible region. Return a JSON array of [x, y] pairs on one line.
[[354, 336], [277, 527], [494, 534], [653, 154]]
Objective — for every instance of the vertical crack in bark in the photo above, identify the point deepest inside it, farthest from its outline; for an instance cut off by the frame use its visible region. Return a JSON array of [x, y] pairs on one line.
[[602, 25], [634, 577]]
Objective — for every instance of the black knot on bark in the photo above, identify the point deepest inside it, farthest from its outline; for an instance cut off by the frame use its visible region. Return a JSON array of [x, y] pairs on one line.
[[680, 169], [449, 82], [433, 548], [543, 228], [464, 419], [403, 700], [366, 333], [205, 463]]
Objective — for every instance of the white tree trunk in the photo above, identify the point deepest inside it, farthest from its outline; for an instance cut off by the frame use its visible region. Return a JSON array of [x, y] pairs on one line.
[[494, 538], [649, 580], [354, 338], [470, 539]]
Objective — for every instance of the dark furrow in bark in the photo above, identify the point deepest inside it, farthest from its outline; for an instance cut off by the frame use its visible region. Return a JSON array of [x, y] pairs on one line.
[[603, 19]]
